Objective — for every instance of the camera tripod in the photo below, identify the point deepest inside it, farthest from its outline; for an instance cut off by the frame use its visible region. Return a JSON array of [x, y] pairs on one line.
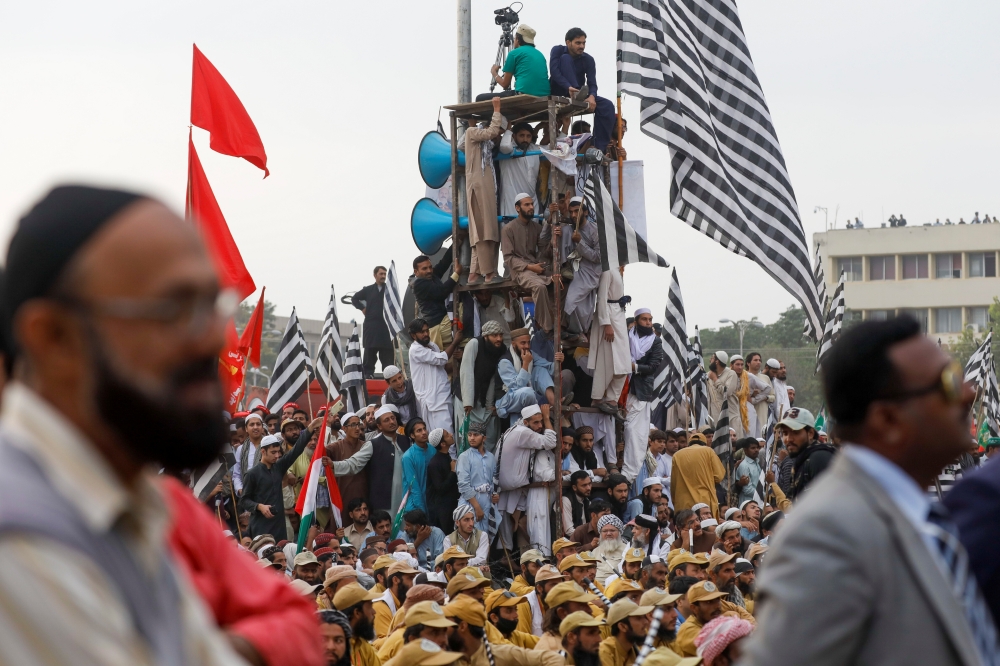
[[503, 48]]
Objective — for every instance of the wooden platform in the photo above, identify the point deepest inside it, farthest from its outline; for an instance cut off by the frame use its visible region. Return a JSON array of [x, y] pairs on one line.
[[519, 108]]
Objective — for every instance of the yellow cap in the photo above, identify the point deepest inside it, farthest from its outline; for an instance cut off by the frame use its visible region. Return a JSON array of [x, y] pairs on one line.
[[467, 609], [619, 585], [464, 581], [719, 558], [635, 555], [657, 596], [589, 557], [663, 656], [502, 597], [423, 652], [352, 594], [624, 608], [547, 572], [577, 620], [566, 592], [680, 556], [454, 553], [339, 572], [382, 562], [428, 613], [561, 543], [401, 568], [704, 591], [531, 556], [571, 561]]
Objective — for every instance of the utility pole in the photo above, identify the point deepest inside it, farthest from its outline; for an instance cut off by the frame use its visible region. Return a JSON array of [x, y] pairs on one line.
[[464, 51]]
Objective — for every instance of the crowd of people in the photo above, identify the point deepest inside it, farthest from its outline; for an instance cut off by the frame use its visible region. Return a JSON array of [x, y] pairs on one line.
[[900, 221]]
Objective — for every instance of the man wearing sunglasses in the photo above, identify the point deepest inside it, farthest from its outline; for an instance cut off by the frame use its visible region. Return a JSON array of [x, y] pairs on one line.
[[866, 569]]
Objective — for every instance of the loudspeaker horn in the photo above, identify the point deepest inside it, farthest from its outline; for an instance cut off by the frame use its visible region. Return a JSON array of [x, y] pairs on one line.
[[434, 159], [430, 226]]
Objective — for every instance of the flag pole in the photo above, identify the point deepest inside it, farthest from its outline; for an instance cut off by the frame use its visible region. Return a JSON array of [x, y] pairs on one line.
[[236, 508], [618, 151]]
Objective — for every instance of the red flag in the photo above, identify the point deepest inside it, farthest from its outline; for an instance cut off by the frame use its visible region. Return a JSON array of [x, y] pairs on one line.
[[250, 340], [217, 109], [202, 208], [232, 367]]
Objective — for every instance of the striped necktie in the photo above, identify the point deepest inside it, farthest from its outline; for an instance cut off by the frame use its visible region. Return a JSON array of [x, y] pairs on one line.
[[963, 583]]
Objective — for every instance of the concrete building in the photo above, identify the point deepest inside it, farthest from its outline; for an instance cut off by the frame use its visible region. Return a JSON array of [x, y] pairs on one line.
[[944, 276], [311, 328]]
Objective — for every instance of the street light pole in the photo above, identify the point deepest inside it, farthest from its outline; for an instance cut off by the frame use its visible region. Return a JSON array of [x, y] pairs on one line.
[[741, 326]]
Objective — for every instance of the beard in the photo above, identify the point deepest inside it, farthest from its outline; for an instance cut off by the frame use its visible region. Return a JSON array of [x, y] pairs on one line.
[[505, 626], [583, 657], [636, 639], [666, 633], [747, 588], [401, 595], [728, 587], [455, 642], [640, 539], [154, 425], [345, 660], [425, 343], [529, 577], [364, 629]]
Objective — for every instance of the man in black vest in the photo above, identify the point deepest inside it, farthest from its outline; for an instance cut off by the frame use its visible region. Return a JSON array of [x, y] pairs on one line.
[[376, 339], [576, 498], [385, 470]]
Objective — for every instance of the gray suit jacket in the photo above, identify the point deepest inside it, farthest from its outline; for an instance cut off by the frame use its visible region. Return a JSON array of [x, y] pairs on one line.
[[850, 581]]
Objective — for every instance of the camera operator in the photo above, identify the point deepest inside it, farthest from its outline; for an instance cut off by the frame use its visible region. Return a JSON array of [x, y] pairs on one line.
[[525, 65], [571, 69]]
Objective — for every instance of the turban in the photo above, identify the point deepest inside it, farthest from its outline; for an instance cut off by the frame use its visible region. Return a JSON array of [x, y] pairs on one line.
[[461, 510], [337, 618], [423, 592], [715, 637], [389, 372], [610, 519], [790, 388], [491, 328], [435, 437], [51, 234], [530, 411], [726, 527]]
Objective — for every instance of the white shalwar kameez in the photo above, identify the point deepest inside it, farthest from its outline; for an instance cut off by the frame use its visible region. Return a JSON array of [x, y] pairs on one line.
[[540, 501], [519, 445], [430, 383], [518, 174]]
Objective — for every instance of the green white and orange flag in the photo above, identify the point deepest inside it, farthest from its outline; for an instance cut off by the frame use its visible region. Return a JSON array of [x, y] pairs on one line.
[[305, 505]]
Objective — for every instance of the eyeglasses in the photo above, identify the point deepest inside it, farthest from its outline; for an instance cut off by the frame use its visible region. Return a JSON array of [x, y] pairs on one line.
[[192, 314], [951, 384]]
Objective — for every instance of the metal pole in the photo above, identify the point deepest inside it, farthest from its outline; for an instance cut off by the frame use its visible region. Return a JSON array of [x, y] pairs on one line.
[[456, 248], [556, 333], [464, 52]]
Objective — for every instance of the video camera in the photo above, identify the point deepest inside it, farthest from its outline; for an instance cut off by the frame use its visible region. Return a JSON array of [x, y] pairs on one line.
[[506, 16]]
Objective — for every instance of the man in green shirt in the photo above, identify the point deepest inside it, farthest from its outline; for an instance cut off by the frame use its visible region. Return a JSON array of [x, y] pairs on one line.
[[525, 65]]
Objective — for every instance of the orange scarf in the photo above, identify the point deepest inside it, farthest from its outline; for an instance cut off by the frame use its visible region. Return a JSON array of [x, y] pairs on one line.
[[742, 395]]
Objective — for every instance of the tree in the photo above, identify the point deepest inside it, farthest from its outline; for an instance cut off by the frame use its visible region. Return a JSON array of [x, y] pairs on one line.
[[968, 341]]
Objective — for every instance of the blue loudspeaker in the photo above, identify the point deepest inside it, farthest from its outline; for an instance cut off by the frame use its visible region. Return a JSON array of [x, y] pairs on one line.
[[434, 159], [431, 226]]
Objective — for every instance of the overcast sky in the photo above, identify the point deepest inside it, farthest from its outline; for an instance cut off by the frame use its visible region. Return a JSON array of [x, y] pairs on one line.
[[881, 107]]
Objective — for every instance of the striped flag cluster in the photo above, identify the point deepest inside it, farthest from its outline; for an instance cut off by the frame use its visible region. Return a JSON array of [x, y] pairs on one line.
[[981, 372], [204, 480], [354, 378], [768, 456], [620, 244], [697, 380], [669, 380], [689, 64], [330, 355], [291, 368], [834, 322], [820, 278], [392, 307], [721, 443]]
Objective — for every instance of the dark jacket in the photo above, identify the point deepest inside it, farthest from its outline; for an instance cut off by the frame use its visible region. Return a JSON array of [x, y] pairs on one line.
[[974, 503], [380, 469], [371, 299], [442, 492], [810, 463], [641, 384], [431, 292], [567, 72], [263, 486]]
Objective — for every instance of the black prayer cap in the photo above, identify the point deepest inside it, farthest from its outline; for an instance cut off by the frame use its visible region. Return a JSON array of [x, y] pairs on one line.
[[50, 235]]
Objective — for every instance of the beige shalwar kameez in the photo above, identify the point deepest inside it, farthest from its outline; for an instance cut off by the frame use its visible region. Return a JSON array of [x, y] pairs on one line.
[[521, 247], [481, 195], [610, 361]]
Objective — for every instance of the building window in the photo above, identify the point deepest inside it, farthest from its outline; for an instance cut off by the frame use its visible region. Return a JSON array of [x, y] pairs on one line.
[[947, 266], [982, 264], [915, 267], [850, 267], [978, 318], [879, 315], [852, 317], [948, 320], [882, 268], [920, 314]]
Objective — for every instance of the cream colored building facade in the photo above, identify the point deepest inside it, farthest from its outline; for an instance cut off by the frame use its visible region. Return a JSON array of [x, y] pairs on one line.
[[945, 276]]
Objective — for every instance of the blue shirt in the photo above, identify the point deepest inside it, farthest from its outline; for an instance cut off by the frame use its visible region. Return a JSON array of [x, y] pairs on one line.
[[415, 475], [429, 548], [567, 72]]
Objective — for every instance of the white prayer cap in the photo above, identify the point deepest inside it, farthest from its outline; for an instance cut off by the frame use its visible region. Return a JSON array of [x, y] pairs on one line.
[[271, 439], [697, 507], [651, 481], [232, 427], [731, 512], [790, 388], [744, 504], [253, 415], [435, 437], [522, 196], [641, 311], [390, 371], [762, 440], [530, 411], [709, 523], [722, 356], [773, 364], [725, 527], [678, 430], [734, 358], [382, 411], [574, 200]]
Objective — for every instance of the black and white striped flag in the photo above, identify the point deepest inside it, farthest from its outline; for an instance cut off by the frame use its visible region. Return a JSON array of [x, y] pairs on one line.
[[834, 322], [820, 277], [291, 368], [697, 381], [689, 64], [354, 378], [620, 245], [204, 479], [529, 320], [668, 392], [979, 362], [669, 380], [980, 371], [721, 442], [392, 307], [330, 356]]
